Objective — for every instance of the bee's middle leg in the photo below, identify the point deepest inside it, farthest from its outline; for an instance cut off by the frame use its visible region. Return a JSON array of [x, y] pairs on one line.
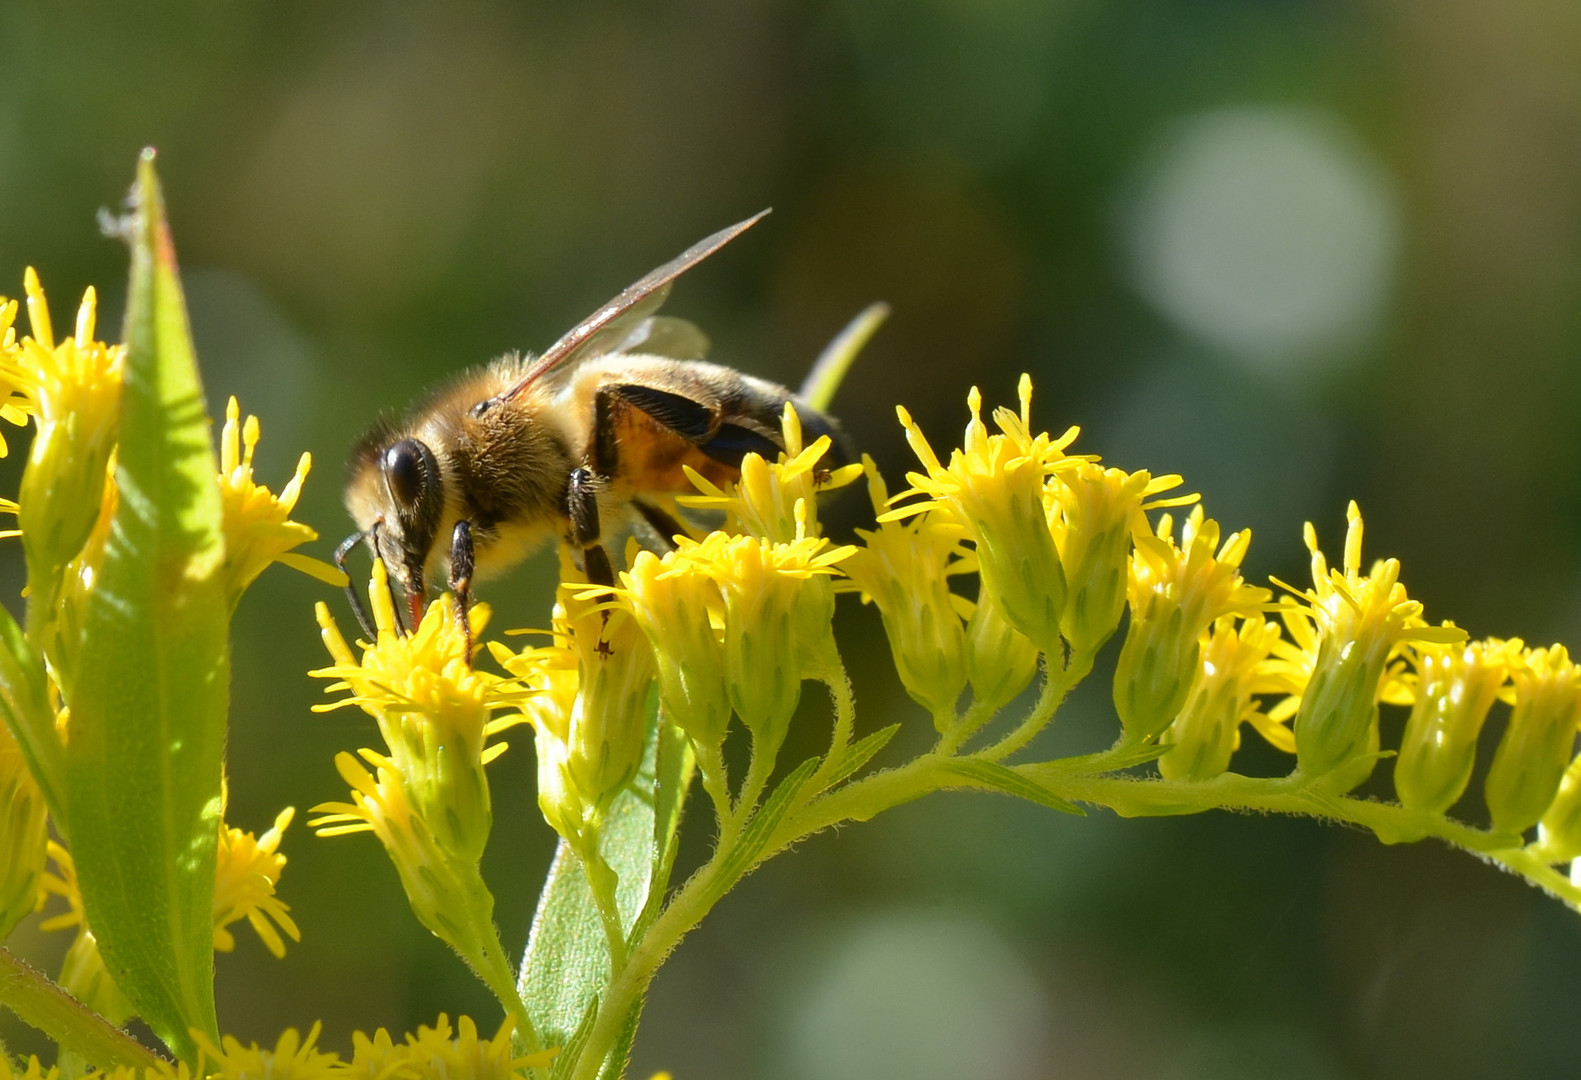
[[582, 509], [462, 564]]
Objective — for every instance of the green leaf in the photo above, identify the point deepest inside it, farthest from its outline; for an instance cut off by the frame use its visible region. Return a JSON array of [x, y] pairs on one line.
[[674, 767], [148, 709], [24, 705], [760, 829], [991, 774], [861, 752], [566, 967]]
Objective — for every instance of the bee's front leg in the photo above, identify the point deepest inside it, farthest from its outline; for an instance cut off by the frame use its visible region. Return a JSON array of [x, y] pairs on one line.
[[462, 563], [582, 509]]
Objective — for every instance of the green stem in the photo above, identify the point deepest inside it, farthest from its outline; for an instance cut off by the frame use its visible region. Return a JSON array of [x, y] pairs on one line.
[[711, 764], [1056, 685], [1080, 779], [38, 1001], [758, 773], [961, 728], [839, 685], [857, 801]]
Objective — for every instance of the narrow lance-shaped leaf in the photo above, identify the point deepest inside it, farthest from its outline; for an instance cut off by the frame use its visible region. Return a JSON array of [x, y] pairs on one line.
[[566, 966], [147, 731]]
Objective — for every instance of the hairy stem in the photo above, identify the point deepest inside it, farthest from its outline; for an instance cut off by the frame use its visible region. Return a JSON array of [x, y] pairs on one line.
[[40, 1002]]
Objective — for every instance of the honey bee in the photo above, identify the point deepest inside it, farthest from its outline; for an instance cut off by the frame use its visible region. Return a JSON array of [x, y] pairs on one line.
[[566, 445]]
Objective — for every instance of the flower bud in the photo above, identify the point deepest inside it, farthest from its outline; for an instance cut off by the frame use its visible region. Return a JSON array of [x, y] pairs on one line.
[[1559, 832], [609, 720], [1206, 732], [1456, 686], [1361, 620], [1176, 593], [903, 568], [1537, 745], [993, 488], [446, 892], [1000, 661], [676, 605], [767, 621], [1095, 513], [75, 388], [764, 673]]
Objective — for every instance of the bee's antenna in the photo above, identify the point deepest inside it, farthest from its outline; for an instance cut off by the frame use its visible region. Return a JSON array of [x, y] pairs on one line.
[[357, 607]]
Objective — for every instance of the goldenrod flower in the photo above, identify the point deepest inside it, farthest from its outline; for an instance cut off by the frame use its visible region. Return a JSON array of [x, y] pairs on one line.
[[24, 835], [437, 1053], [293, 1058], [608, 722], [162, 1070], [15, 405], [763, 502], [772, 619], [247, 869], [445, 890], [1361, 621], [1538, 743], [550, 676], [1176, 593], [74, 393], [258, 525], [432, 708], [993, 488], [1207, 731], [903, 568], [679, 607], [1455, 687], [1095, 512], [427, 801], [32, 1071]]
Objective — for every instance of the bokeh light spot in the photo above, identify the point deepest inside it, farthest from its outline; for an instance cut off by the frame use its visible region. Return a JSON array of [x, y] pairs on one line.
[[1269, 233], [915, 995]]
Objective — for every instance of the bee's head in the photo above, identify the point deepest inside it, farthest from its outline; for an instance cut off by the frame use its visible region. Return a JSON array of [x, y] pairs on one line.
[[396, 495]]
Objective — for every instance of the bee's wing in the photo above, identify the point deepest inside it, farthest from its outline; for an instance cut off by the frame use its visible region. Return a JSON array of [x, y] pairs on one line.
[[639, 299], [664, 335]]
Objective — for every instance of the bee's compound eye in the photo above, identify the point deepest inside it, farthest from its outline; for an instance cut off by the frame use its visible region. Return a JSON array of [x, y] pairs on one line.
[[409, 470]]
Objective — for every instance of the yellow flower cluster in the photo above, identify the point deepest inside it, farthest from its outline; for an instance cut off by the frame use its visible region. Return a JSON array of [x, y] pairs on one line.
[[427, 798], [441, 1052], [71, 389]]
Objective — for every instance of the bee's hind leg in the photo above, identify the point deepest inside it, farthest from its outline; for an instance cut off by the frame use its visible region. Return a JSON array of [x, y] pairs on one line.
[[582, 509], [462, 564]]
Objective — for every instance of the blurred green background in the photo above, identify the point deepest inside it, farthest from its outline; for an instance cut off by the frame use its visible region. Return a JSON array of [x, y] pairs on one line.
[[1299, 251]]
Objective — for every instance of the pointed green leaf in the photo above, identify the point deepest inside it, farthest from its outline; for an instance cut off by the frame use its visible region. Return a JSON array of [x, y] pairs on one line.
[[673, 771], [147, 732], [760, 829], [991, 774], [566, 966], [861, 752]]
